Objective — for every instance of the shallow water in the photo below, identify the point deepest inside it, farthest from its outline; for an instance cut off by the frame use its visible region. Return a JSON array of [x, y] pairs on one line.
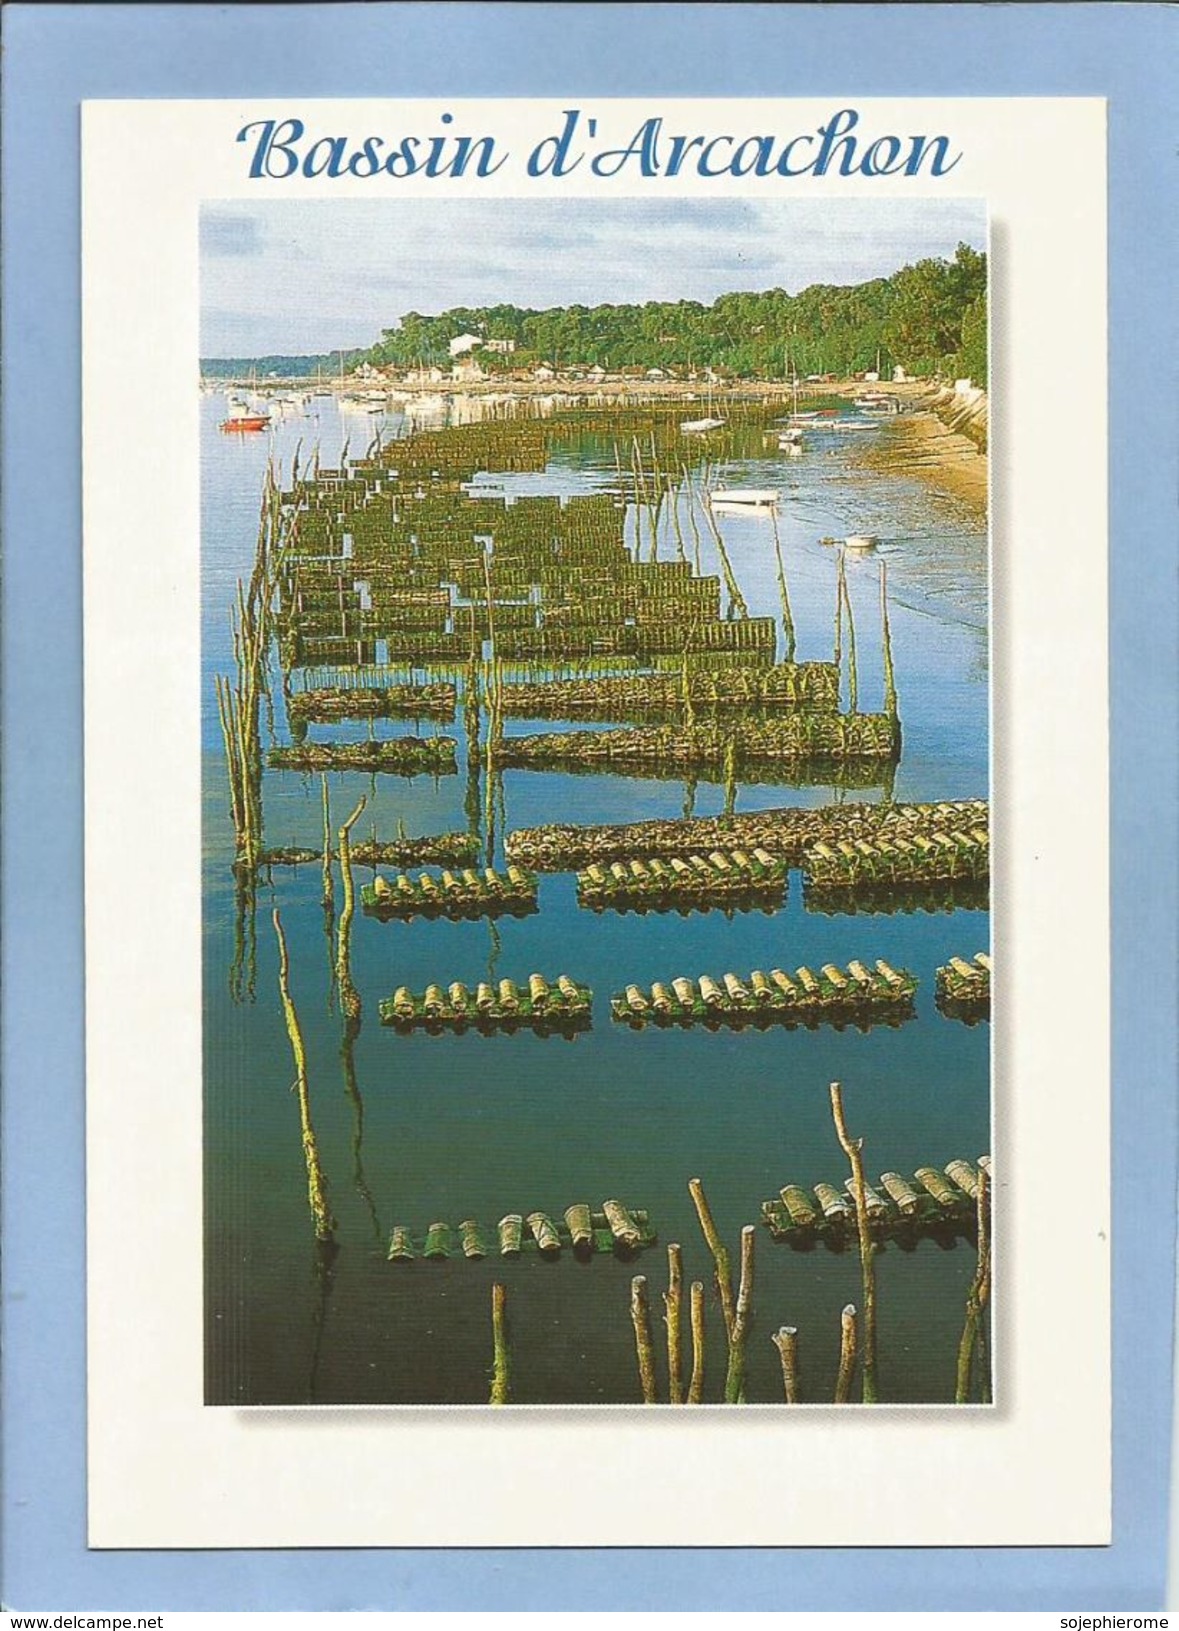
[[418, 1128]]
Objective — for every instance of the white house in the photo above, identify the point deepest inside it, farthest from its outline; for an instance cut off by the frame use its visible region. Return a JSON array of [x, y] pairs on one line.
[[502, 348], [468, 370], [462, 343]]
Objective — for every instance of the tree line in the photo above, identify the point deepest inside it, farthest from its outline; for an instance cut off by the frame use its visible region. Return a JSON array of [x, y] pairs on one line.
[[929, 318]]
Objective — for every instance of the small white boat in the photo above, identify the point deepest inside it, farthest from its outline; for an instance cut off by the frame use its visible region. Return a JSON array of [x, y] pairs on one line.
[[861, 540], [743, 495], [701, 424], [790, 438]]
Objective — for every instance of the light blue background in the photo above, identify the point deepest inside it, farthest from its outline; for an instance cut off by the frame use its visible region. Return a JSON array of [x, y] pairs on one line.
[[58, 55]]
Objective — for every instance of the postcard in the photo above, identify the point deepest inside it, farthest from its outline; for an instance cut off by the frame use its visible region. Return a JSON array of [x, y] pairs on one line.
[[589, 877]]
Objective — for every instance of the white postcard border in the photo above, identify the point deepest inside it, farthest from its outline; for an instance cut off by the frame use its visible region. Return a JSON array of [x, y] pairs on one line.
[[166, 1471]]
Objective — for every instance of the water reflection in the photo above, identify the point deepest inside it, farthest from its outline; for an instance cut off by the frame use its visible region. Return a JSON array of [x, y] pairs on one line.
[[500, 1110]]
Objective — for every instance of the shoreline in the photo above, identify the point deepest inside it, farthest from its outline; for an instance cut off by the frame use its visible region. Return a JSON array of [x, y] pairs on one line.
[[919, 444], [628, 391]]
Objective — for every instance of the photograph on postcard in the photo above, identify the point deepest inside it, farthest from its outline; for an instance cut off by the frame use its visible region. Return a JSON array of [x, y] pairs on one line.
[[595, 600]]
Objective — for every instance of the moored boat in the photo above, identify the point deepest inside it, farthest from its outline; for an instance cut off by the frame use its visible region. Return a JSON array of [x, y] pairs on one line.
[[743, 495], [242, 418]]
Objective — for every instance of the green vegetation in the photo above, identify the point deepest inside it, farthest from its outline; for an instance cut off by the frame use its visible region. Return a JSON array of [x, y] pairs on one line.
[[329, 364], [929, 317]]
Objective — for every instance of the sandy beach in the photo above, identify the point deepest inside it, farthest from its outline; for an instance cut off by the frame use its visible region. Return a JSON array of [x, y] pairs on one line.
[[919, 444]]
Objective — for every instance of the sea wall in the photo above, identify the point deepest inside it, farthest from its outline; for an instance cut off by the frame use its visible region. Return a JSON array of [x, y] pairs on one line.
[[941, 440], [965, 409]]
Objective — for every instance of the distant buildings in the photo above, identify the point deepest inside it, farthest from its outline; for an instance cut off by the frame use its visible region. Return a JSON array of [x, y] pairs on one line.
[[462, 343]]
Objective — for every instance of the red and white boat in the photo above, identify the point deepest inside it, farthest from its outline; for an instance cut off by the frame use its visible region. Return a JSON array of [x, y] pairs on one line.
[[245, 419], [242, 416]]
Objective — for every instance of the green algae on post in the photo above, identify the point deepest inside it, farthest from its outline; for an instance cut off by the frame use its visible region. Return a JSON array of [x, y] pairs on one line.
[[853, 1149], [317, 1195], [349, 996], [743, 1309], [645, 1352], [970, 1349], [501, 1377]]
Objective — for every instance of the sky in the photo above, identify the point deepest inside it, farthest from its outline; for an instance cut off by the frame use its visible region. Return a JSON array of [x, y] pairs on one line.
[[291, 278]]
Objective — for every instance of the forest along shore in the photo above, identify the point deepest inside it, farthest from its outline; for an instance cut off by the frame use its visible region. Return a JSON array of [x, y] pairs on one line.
[[921, 444]]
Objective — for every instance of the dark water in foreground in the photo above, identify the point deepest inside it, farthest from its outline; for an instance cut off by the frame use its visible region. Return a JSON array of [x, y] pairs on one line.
[[423, 1128]]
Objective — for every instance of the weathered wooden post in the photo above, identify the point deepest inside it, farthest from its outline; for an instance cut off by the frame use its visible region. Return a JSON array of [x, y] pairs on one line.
[[853, 1149], [672, 1300], [788, 633], [786, 1341], [317, 1196], [720, 1256], [329, 891], [847, 1354], [735, 1375], [501, 1376], [977, 1297], [852, 681], [890, 686], [696, 1302], [349, 996], [640, 1319]]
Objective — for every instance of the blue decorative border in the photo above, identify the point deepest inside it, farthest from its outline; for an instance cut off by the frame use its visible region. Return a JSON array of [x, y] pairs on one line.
[[57, 55]]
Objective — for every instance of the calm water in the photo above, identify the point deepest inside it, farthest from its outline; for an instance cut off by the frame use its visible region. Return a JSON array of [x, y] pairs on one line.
[[425, 1128]]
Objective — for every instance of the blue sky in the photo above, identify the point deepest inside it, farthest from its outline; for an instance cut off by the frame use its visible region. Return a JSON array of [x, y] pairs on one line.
[[313, 275]]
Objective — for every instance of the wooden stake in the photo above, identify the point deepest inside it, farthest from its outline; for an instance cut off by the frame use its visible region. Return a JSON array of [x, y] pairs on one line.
[[976, 1301], [692, 518], [853, 685], [847, 1354], [730, 773], [349, 996], [735, 1375], [640, 1319], [788, 633], [853, 1148], [501, 1372], [786, 1342], [672, 1300], [890, 685], [317, 1196], [696, 1301], [329, 891], [720, 1256]]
